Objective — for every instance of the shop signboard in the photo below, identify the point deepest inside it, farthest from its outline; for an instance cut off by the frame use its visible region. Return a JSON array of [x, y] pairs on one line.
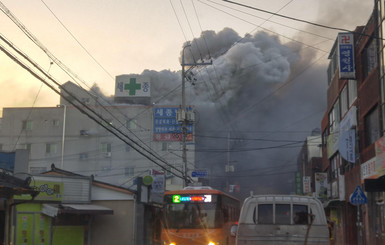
[[321, 185], [306, 184], [132, 86], [346, 56], [48, 191], [167, 127]]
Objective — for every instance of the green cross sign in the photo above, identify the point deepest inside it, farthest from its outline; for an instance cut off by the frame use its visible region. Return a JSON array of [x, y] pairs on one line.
[[132, 86]]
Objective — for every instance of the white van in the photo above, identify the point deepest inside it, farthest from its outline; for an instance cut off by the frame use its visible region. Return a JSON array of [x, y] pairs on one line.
[[281, 219]]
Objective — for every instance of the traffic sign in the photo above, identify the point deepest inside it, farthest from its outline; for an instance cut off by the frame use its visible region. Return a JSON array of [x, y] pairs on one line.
[[358, 197], [199, 174], [147, 180]]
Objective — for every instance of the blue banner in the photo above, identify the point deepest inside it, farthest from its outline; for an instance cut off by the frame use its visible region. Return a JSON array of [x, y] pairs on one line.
[[166, 124], [346, 56]]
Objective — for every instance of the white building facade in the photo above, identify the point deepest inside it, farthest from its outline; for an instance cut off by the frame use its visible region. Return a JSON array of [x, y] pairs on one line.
[[64, 136]]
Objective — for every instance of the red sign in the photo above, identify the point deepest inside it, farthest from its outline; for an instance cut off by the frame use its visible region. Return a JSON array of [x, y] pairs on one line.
[[172, 137]]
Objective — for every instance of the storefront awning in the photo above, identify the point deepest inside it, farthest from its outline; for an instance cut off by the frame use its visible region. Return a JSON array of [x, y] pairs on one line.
[[53, 210], [333, 203], [375, 185]]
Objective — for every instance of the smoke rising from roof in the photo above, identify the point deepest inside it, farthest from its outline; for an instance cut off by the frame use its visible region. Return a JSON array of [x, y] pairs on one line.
[[256, 92]]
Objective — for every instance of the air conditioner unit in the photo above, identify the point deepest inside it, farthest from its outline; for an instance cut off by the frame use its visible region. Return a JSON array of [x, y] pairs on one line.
[[107, 154]]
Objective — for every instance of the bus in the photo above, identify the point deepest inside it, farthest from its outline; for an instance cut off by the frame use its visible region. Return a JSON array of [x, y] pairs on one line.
[[199, 216]]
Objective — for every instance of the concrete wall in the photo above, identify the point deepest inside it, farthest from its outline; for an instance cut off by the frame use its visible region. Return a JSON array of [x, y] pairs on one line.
[[116, 228]]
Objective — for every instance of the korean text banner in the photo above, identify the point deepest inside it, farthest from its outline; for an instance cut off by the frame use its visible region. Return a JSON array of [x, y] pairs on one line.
[[346, 56]]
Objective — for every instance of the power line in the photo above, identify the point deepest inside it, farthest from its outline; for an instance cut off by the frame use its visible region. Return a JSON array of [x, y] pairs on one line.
[[72, 35], [267, 30], [180, 25], [69, 72], [109, 128], [288, 17], [266, 20]]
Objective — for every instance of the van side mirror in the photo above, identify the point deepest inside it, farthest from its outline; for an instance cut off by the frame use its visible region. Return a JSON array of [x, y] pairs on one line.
[[233, 230]]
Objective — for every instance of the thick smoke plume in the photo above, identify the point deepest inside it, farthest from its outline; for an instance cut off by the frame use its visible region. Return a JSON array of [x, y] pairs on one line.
[[254, 101]]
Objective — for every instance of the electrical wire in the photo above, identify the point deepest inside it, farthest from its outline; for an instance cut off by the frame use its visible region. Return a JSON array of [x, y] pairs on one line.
[[80, 44], [66, 69], [121, 137], [287, 17], [69, 72]]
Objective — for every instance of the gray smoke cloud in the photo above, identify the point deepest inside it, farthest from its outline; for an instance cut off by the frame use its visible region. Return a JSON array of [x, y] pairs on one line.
[[252, 92], [265, 95]]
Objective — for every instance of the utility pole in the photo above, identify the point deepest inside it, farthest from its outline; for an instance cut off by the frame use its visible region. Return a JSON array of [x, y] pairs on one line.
[[228, 168], [183, 113]]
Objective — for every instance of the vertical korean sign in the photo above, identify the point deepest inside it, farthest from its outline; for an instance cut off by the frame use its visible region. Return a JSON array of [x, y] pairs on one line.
[[298, 183], [346, 56], [321, 185]]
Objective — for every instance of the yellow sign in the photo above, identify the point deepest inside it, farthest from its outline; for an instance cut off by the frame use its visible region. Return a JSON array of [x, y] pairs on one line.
[[147, 180], [48, 191]]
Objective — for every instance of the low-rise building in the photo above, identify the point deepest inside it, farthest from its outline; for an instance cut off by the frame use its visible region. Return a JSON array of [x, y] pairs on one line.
[[74, 209]]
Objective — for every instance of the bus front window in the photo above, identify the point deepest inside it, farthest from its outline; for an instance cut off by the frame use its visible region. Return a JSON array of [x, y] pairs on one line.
[[191, 216]]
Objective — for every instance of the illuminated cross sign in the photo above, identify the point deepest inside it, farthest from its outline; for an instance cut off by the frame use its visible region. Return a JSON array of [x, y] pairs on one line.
[[184, 199]]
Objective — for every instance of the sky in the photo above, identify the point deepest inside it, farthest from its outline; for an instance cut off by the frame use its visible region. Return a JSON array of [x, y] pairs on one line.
[[101, 39], [266, 85]]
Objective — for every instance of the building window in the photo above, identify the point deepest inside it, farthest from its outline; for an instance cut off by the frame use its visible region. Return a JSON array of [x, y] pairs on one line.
[[333, 65], [344, 101], [352, 87], [334, 117], [129, 171], [50, 148], [27, 125], [84, 132], [369, 57], [131, 124], [324, 138], [372, 127], [83, 156], [106, 149], [55, 123], [24, 147], [168, 171], [166, 146], [335, 164]]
